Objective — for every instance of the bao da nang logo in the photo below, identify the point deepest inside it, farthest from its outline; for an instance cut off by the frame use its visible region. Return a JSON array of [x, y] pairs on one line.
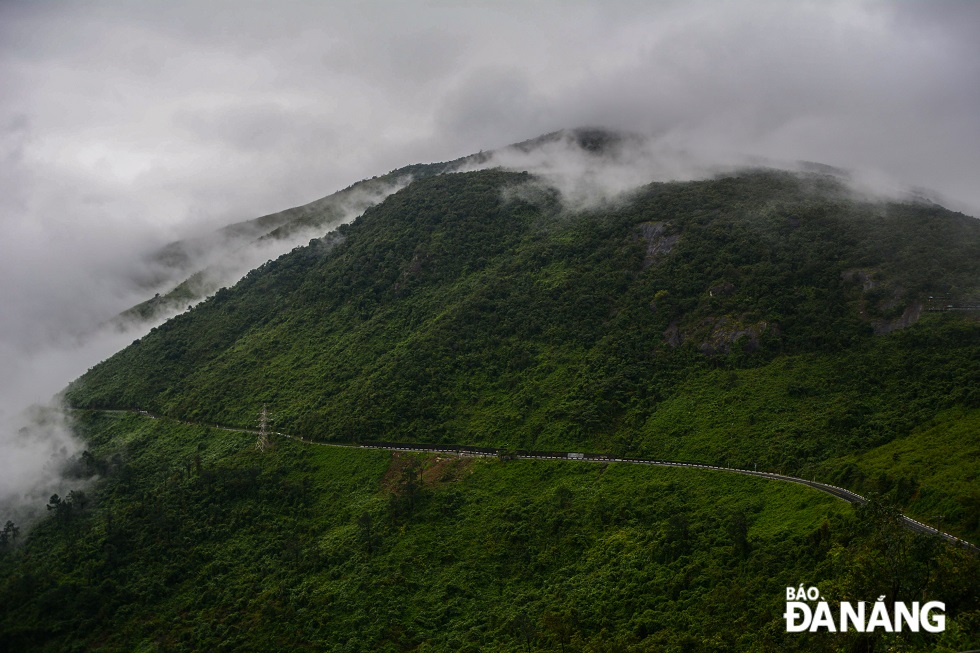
[[860, 617]]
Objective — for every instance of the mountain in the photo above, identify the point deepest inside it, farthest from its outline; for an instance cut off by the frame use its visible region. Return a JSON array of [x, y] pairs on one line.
[[755, 319], [195, 268]]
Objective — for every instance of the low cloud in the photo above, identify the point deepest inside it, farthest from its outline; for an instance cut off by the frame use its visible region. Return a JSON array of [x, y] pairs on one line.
[[594, 167], [36, 439], [38, 446]]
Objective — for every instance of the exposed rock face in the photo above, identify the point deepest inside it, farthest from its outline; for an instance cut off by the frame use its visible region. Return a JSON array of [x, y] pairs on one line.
[[889, 298], [725, 332], [658, 244], [863, 277], [673, 335], [908, 318], [717, 335], [723, 289]]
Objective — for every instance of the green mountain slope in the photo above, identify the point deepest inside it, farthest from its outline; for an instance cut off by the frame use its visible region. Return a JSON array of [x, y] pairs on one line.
[[749, 320], [200, 266], [763, 319], [199, 542]]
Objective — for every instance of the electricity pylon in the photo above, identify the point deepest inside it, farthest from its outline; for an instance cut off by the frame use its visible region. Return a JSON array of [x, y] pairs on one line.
[[263, 442]]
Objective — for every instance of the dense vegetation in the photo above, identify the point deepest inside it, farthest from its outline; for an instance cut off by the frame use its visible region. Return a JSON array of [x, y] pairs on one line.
[[767, 319], [194, 540]]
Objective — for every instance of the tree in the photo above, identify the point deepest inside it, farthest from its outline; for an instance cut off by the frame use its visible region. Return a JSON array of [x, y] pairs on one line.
[[60, 507], [408, 489], [738, 529], [560, 625], [523, 628], [9, 534], [366, 531], [77, 499], [54, 503]]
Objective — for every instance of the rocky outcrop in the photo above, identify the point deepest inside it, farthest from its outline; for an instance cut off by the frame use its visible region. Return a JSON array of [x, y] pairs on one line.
[[908, 318], [726, 331], [658, 243], [717, 334]]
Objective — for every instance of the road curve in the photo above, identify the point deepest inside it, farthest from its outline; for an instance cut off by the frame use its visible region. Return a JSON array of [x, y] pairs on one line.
[[493, 452]]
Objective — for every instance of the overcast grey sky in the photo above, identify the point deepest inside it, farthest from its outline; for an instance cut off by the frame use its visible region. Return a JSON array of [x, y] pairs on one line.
[[126, 124]]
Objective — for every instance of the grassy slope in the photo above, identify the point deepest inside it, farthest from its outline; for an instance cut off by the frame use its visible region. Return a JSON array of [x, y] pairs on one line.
[[197, 541], [933, 471]]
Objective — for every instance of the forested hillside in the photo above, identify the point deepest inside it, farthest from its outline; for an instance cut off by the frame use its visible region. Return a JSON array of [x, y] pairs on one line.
[[749, 320], [764, 319], [196, 541]]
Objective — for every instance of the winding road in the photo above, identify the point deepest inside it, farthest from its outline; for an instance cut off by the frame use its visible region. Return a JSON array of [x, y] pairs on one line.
[[492, 452]]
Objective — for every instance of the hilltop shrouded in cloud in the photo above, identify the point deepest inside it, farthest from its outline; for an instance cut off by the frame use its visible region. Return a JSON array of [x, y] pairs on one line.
[[127, 126]]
